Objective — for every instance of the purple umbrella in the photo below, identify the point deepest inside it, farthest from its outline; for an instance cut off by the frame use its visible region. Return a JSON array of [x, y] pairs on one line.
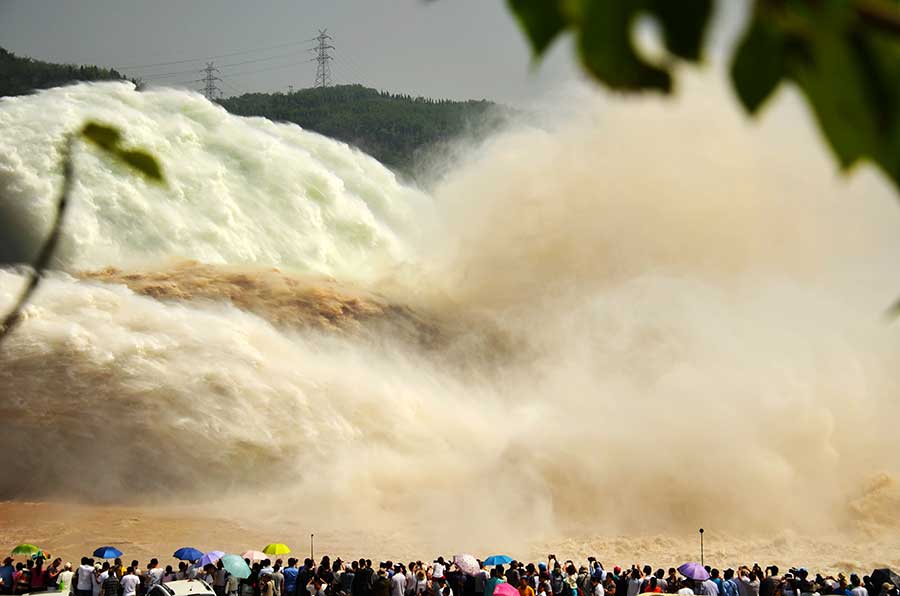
[[694, 571], [211, 557]]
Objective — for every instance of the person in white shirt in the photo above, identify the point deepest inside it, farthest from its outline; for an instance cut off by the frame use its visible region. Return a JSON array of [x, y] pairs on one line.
[[278, 578], [208, 574], [419, 583], [709, 588], [65, 579], [129, 583], [154, 574], [100, 575], [749, 582], [634, 582], [597, 584], [231, 585], [398, 582], [193, 570], [856, 589], [221, 579], [437, 571], [84, 578]]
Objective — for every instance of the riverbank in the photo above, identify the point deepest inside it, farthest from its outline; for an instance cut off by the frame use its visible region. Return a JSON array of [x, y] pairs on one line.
[[142, 532]]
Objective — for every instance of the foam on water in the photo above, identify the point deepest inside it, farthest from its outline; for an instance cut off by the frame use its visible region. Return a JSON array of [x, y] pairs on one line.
[[240, 190]]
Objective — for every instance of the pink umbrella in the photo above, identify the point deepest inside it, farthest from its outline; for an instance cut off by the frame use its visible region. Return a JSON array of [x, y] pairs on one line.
[[504, 589], [254, 555], [467, 564]]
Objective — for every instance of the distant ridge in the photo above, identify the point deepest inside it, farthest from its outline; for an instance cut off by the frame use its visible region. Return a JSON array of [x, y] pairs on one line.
[[20, 75], [393, 128]]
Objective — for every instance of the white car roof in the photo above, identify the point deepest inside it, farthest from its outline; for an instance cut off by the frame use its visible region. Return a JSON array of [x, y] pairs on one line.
[[185, 587]]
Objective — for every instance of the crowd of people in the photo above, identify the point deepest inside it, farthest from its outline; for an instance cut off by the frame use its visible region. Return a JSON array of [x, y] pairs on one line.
[[439, 578]]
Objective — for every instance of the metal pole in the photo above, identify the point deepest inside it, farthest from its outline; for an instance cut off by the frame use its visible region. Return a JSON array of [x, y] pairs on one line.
[[312, 551], [701, 546]]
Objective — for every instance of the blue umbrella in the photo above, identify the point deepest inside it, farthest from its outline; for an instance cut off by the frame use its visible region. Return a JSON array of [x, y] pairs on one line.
[[107, 552], [186, 553], [497, 560]]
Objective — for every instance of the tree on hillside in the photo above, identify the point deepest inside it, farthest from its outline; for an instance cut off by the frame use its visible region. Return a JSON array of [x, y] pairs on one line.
[[19, 75], [392, 128]]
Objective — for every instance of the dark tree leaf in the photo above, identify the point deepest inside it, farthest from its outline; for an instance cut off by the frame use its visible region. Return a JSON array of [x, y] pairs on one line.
[[684, 24], [831, 74], [105, 137], [893, 312], [843, 54], [542, 21], [142, 162], [109, 138], [758, 65], [880, 59], [607, 51]]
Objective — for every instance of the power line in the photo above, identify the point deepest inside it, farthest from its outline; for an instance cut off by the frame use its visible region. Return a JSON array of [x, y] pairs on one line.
[[232, 87], [247, 72], [348, 57], [188, 60], [259, 60], [323, 68], [211, 75], [163, 75], [348, 68]]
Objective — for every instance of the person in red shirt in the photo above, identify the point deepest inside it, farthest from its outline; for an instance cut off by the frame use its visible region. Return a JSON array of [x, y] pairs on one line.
[[653, 586], [38, 576]]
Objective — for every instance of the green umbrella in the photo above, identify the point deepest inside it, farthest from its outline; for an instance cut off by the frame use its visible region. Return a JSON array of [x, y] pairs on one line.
[[26, 549], [236, 566]]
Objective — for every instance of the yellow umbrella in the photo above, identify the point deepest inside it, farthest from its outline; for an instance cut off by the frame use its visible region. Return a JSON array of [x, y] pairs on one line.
[[276, 548]]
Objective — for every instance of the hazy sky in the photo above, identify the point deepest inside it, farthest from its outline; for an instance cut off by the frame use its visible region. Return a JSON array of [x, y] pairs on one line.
[[445, 48]]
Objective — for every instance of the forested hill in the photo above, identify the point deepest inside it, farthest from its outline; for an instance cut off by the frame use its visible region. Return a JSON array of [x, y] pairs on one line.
[[19, 75], [392, 128]]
